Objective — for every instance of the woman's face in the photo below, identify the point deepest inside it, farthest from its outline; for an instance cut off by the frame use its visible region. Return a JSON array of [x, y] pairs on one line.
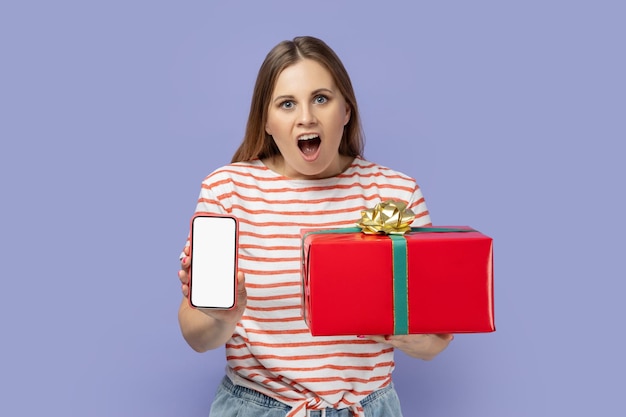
[[306, 118]]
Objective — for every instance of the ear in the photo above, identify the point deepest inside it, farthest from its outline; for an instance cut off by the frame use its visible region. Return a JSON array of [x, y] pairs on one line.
[[267, 130], [348, 114]]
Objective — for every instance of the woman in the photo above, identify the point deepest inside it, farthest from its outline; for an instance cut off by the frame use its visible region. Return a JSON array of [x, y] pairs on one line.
[[299, 166]]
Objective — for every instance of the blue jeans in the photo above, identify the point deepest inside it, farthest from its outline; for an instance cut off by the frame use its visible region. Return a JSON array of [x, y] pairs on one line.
[[237, 401]]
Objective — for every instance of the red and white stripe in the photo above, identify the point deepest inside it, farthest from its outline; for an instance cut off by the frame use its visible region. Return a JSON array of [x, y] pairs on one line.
[[272, 350]]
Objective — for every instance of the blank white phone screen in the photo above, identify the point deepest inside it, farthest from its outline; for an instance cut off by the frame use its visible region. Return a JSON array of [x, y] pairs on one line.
[[213, 260]]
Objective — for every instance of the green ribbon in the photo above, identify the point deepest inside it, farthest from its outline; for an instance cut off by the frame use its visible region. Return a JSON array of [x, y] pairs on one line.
[[400, 285], [400, 269]]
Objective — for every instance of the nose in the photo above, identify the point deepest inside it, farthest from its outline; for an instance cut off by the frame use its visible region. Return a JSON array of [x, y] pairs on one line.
[[307, 115]]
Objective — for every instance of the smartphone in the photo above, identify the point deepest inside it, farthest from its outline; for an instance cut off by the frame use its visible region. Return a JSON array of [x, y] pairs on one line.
[[213, 269]]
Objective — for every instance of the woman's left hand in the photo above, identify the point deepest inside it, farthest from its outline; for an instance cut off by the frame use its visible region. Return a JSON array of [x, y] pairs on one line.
[[421, 346]]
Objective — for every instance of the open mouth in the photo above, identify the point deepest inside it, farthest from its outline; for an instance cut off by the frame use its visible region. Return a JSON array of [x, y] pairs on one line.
[[309, 144]]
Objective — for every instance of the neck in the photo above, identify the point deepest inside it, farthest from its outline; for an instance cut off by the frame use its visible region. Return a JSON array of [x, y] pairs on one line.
[[276, 163]]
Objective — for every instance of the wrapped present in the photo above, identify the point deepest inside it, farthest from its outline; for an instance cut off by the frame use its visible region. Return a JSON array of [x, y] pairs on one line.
[[385, 277]]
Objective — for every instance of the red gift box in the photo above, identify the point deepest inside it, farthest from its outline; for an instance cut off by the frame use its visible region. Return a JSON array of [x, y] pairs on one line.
[[353, 283]]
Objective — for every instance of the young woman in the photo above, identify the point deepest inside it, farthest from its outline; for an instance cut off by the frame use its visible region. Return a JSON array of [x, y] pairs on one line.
[[299, 166]]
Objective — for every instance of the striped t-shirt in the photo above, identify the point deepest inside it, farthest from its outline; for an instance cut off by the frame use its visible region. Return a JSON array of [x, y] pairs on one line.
[[272, 350]]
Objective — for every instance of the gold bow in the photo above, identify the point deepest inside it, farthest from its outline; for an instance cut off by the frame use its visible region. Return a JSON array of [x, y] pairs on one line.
[[388, 217]]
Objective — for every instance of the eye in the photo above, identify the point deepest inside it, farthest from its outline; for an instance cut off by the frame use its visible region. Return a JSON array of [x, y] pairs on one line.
[[287, 105], [320, 99]]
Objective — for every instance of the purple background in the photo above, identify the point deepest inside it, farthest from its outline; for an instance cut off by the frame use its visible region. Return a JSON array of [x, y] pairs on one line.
[[507, 113]]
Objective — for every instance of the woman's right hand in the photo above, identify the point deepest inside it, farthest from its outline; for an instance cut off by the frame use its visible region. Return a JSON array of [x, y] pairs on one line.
[[230, 316], [183, 274]]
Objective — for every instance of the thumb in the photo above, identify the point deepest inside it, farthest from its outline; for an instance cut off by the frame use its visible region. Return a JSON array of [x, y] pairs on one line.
[[242, 294]]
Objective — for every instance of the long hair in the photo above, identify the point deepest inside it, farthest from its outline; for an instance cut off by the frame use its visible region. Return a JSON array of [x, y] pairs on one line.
[[256, 142]]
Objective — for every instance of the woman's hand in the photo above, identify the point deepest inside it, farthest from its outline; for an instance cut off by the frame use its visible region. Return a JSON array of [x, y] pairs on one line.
[[421, 346], [231, 316], [183, 274]]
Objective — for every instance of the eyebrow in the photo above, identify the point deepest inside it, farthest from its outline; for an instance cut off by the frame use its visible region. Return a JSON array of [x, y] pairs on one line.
[[313, 93]]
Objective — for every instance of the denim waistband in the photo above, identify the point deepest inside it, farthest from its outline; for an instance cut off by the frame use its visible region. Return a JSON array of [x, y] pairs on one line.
[[263, 400], [251, 395]]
